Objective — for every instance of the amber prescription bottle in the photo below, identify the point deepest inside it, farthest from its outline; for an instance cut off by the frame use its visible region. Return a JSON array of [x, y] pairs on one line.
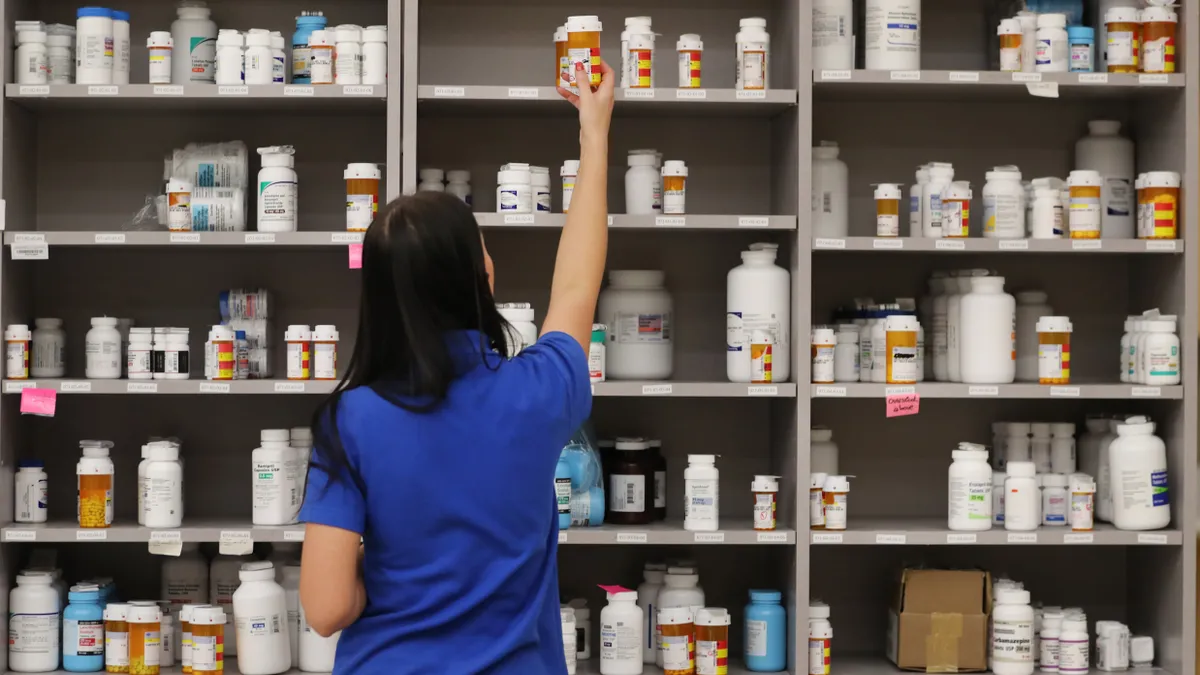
[[678, 641], [185, 634], [562, 70], [1083, 218], [712, 641], [116, 638], [762, 354], [208, 641], [887, 210], [16, 351], [816, 501], [1158, 39], [583, 46], [1011, 38], [674, 191], [299, 352], [1054, 350], [1124, 26], [1161, 191], [145, 623], [901, 345], [362, 195], [766, 502], [630, 481], [690, 49], [95, 485]]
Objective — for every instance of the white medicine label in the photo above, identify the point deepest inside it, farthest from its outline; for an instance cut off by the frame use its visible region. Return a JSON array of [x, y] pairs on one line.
[[826, 538], [1026, 77], [519, 219], [633, 328], [34, 90], [772, 538], [829, 243], [620, 643], [964, 76], [701, 500], [627, 494], [950, 244], [639, 93], [236, 542], [103, 90], [695, 94], [33, 634], [754, 221], [1014, 244], [358, 90], [750, 94], [888, 243], [756, 638], [185, 237], [906, 75], [1022, 537], [260, 238], [709, 538], [297, 90], [670, 221], [1012, 641], [656, 390], [631, 537]]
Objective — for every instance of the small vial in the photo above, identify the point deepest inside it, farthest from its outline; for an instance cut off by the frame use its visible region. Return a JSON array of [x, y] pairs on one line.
[[321, 43], [887, 210], [816, 501], [325, 339], [1054, 350], [836, 498], [596, 353], [690, 49], [17, 340], [674, 190], [1010, 45], [116, 638], [1083, 502], [766, 502], [299, 352], [824, 344], [1083, 219]]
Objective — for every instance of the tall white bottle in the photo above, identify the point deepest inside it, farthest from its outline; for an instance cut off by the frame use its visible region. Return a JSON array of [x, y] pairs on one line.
[[1106, 151], [830, 192], [987, 324], [758, 297], [833, 34], [954, 324]]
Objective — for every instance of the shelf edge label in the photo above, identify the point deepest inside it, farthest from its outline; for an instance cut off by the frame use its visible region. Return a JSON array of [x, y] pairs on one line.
[[693, 94], [950, 245], [638, 93], [1065, 392], [631, 537], [168, 90], [358, 90], [523, 92], [236, 542], [449, 92], [30, 251], [1093, 78], [346, 237], [983, 391], [836, 75], [750, 94], [891, 539], [964, 76], [889, 243], [293, 535], [656, 389], [1014, 245], [20, 535], [519, 219], [298, 90], [141, 388], [1153, 78], [104, 90], [959, 538], [1022, 537], [289, 387], [110, 238], [825, 243], [214, 387], [1086, 244], [1161, 245], [1145, 392], [75, 387], [709, 538], [670, 221], [34, 90], [260, 238], [1151, 538], [906, 76], [754, 221], [1085, 538], [762, 390], [1026, 77], [233, 90], [830, 392], [562, 536], [772, 537], [826, 537], [19, 386], [185, 237], [91, 535]]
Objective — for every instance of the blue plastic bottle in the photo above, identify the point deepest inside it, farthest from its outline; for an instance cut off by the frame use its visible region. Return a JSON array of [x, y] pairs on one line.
[[83, 631], [562, 491], [766, 632], [306, 23]]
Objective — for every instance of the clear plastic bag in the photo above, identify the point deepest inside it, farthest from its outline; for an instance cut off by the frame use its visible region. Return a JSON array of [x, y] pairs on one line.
[[587, 479]]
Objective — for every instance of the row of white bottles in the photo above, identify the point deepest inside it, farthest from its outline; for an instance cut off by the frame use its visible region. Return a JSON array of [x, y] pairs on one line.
[[973, 322]]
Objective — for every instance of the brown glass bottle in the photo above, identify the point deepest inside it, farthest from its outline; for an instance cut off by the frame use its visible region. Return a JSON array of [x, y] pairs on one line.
[[631, 483]]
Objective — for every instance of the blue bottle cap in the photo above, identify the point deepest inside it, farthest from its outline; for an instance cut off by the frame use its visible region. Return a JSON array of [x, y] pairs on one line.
[[32, 463], [118, 15], [1081, 33], [240, 335], [764, 595], [93, 11]]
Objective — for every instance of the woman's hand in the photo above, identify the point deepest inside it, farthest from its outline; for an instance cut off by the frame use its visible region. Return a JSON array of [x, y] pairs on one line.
[[595, 107]]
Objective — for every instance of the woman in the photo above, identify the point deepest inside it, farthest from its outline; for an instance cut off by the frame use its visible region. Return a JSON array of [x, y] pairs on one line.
[[439, 451]]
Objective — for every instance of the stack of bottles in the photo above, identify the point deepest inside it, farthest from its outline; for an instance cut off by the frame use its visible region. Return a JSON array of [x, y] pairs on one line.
[[892, 29], [207, 184], [520, 188], [871, 343], [248, 312], [1150, 349], [99, 633], [46, 53]]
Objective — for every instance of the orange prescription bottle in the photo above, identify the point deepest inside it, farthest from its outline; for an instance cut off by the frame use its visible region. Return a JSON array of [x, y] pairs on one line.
[[16, 352], [678, 641], [690, 49], [362, 195], [299, 352], [145, 639], [1083, 216], [887, 210], [208, 641], [1011, 38], [95, 474], [583, 46], [1158, 39], [223, 362], [956, 210], [1161, 190], [901, 355], [1124, 26], [762, 348], [766, 502], [1054, 350], [562, 64], [712, 641], [185, 633], [116, 638], [816, 501]]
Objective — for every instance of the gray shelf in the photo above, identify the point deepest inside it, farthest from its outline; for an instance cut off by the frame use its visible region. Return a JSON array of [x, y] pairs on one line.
[[592, 665], [968, 83], [194, 531], [491, 98], [287, 387], [979, 245], [197, 96], [231, 667], [1001, 391], [184, 239], [621, 221], [879, 665], [672, 533], [933, 532]]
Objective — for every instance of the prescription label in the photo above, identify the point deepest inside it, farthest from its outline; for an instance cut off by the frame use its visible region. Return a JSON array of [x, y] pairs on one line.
[[634, 328]]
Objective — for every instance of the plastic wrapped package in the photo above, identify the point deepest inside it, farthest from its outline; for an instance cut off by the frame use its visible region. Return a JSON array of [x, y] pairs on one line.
[[587, 479], [240, 303], [248, 311], [212, 165]]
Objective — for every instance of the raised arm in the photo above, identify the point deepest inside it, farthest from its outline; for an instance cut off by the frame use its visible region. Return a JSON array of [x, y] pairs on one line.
[[583, 246]]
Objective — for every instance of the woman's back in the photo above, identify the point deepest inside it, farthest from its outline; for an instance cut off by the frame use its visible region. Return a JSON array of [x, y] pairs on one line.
[[457, 514]]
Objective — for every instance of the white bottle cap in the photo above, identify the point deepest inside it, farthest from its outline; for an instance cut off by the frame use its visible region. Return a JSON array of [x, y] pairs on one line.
[[765, 484]]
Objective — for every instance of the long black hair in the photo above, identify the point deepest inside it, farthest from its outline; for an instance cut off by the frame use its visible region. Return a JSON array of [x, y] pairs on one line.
[[423, 275]]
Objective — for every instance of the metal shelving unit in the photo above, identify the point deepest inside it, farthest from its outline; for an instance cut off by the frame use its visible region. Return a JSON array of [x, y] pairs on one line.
[[468, 89]]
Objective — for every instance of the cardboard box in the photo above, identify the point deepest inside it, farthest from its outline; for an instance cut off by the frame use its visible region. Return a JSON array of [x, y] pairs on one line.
[[938, 622]]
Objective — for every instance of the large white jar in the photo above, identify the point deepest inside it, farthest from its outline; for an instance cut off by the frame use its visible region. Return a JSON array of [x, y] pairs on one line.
[[830, 192], [260, 616], [758, 297], [1106, 151], [1031, 306], [954, 324], [275, 479], [637, 309], [1138, 471], [316, 653], [986, 329]]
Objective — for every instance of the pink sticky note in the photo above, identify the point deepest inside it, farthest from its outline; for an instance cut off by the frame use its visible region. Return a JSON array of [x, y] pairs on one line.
[[613, 589], [38, 402], [899, 405], [356, 256]]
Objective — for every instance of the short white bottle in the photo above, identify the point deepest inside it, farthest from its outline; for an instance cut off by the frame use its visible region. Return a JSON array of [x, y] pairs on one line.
[[277, 185], [1053, 55], [513, 192], [1022, 498], [32, 58], [620, 641], [348, 62], [103, 350], [49, 348], [231, 58], [34, 614], [970, 507], [702, 503], [260, 616], [1073, 653], [1159, 354], [1012, 633], [30, 488], [643, 184], [1056, 502]]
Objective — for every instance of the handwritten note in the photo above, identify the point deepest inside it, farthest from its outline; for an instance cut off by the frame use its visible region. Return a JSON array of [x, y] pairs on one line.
[[899, 405], [356, 256], [38, 402]]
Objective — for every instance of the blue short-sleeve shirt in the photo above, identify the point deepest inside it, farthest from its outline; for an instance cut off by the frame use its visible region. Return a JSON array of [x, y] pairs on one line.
[[458, 515]]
